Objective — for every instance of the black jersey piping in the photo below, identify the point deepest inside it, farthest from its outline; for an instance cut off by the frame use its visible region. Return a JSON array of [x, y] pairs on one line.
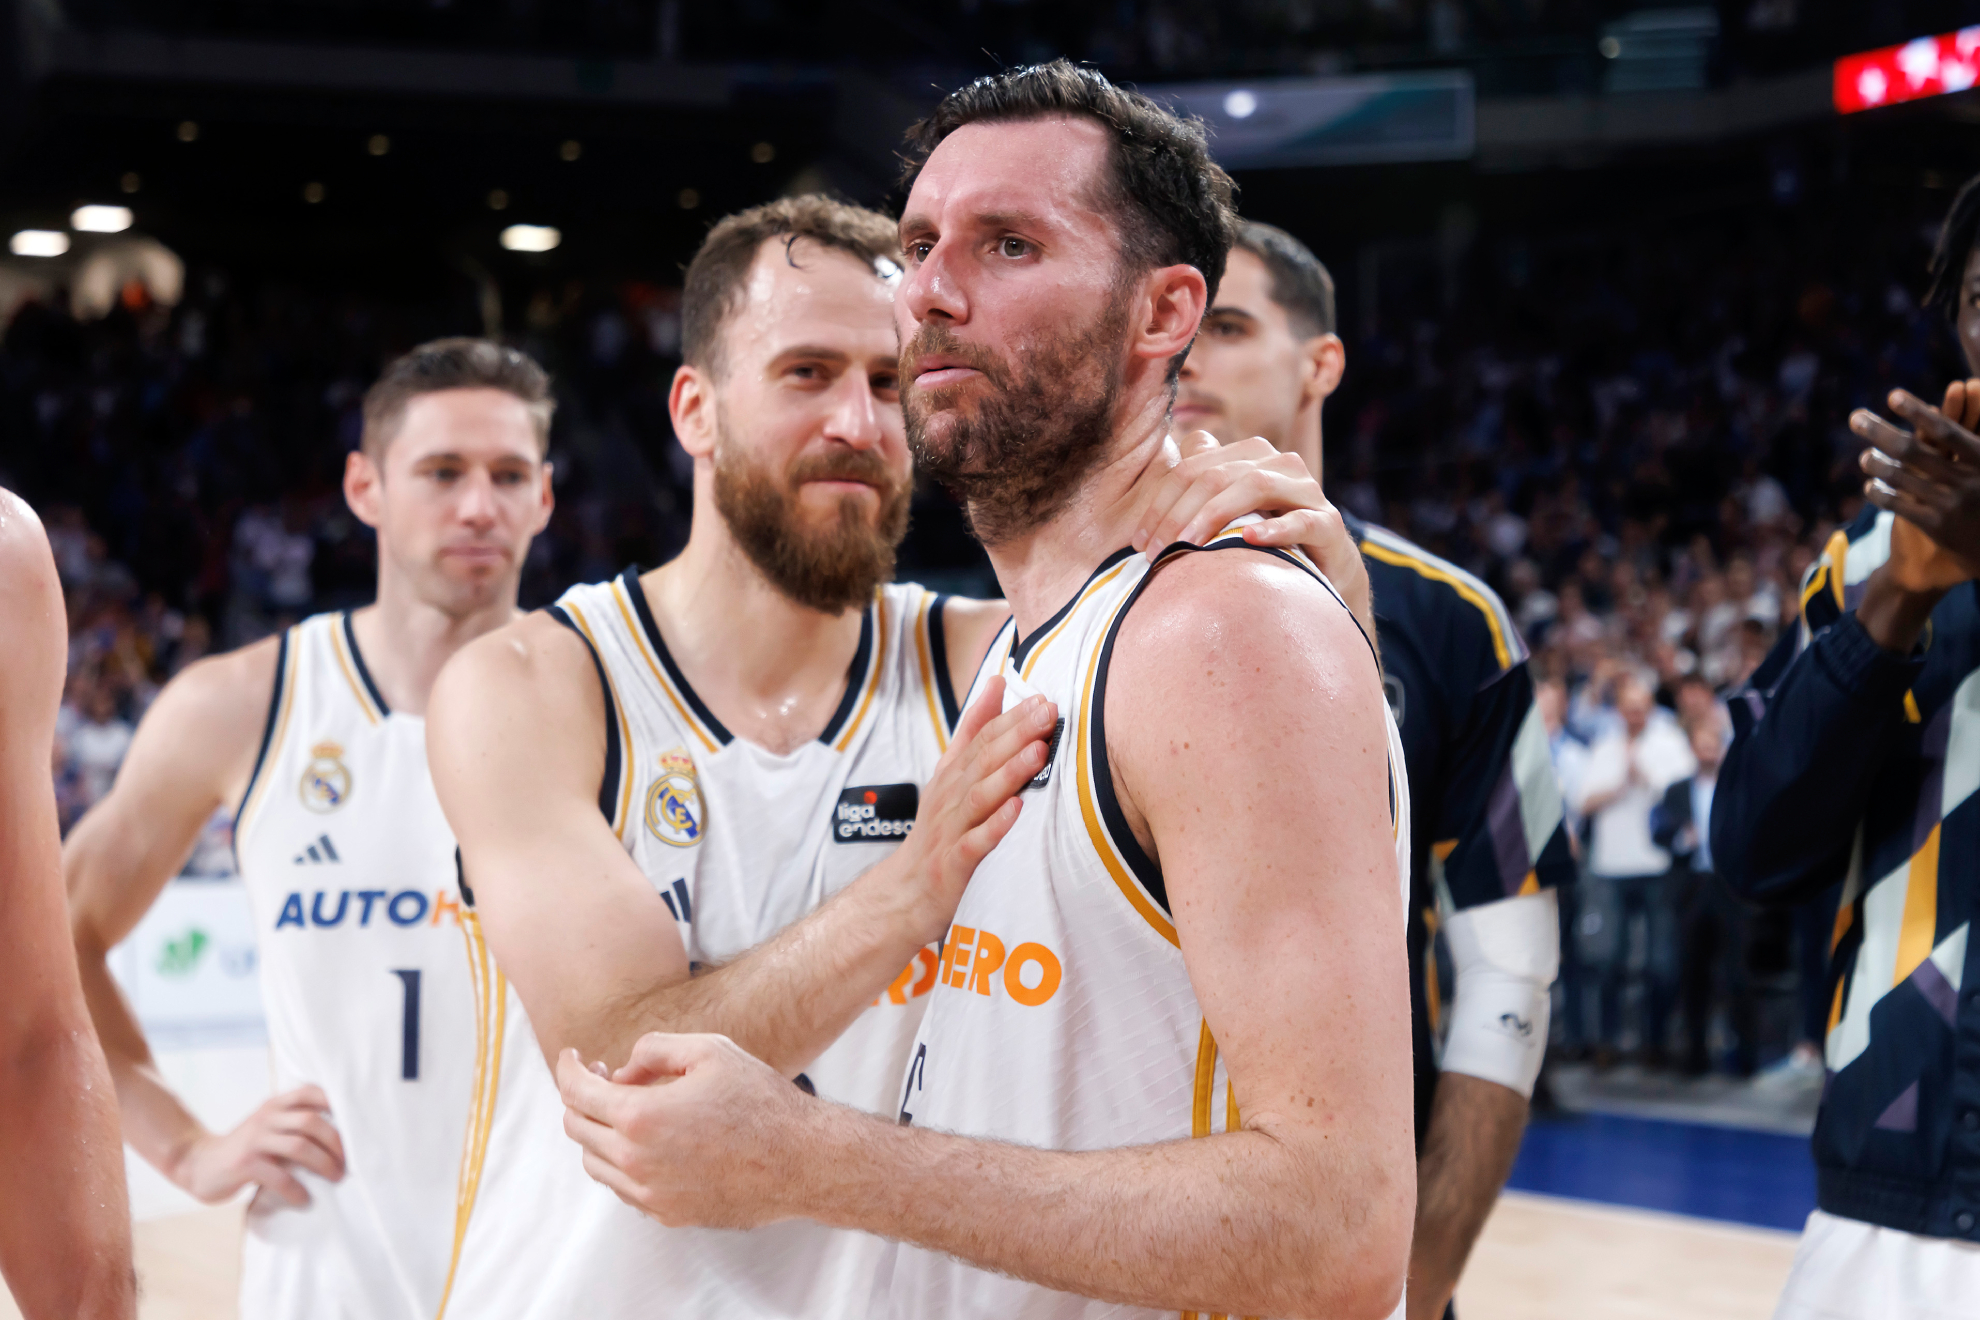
[[267, 736], [938, 656], [651, 627], [1144, 867], [607, 797], [1023, 645], [856, 676], [364, 675]]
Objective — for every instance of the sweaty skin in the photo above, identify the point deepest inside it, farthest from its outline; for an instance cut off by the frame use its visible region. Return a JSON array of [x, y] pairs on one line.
[[1307, 1210], [65, 1225], [456, 495]]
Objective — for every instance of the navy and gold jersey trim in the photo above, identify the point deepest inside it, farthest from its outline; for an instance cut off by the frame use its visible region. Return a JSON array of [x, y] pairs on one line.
[[858, 677], [1385, 547], [607, 796], [363, 673], [938, 652], [278, 710], [629, 580], [1144, 867], [1021, 646]]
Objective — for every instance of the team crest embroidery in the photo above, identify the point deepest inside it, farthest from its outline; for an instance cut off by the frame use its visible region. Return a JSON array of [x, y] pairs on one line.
[[326, 781], [673, 804]]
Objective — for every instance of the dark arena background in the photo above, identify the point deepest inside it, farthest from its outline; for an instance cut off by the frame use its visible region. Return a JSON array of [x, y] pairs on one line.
[[1611, 279]]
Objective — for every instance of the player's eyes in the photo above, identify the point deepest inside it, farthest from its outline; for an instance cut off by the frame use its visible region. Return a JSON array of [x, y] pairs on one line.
[[919, 251], [1013, 247], [885, 384]]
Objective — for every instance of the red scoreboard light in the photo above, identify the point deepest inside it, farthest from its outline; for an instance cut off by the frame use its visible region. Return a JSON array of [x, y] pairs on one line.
[[1929, 66]]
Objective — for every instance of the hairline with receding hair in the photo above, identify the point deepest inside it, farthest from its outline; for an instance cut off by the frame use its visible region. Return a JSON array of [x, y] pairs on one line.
[[458, 362], [719, 271], [1173, 163]]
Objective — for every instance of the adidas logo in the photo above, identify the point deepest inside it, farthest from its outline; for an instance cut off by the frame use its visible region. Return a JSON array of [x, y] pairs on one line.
[[318, 852], [676, 899]]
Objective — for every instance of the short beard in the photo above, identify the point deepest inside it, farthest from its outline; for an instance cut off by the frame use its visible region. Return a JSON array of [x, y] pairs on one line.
[[1021, 455], [829, 571]]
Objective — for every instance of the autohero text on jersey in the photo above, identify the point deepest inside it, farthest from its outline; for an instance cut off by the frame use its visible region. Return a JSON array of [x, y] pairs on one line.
[[972, 960], [358, 908]]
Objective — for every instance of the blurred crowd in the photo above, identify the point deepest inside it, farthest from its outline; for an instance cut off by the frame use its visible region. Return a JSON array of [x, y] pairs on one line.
[[1639, 439]]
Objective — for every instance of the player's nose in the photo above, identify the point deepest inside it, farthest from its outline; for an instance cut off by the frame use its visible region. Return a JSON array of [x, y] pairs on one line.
[[855, 416], [477, 501], [931, 287]]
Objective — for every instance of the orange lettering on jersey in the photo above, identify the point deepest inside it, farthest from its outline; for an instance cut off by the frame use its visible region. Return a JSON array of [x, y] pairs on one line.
[[955, 960], [989, 957], [900, 991], [445, 902], [928, 967], [1049, 974]]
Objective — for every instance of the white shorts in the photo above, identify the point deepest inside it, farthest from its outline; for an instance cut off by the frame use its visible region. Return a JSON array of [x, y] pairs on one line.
[[1846, 1269]]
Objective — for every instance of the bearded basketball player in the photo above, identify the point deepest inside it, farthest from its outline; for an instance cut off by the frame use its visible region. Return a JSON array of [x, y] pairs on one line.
[[318, 735], [1491, 845], [1194, 927], [65, 1223], [665, 771]]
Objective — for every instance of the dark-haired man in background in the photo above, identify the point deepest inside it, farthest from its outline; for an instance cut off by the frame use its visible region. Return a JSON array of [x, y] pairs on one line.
[[1490, 846], [1856, 759], [318, 738], [1194, 927]]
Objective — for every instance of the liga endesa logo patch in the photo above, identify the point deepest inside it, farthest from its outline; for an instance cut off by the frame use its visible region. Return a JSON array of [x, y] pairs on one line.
[[875, 813]]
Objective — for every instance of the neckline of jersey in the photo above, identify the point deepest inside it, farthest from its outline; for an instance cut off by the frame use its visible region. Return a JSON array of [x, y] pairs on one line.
[[1021, 646], [363, 672], [856, 673]]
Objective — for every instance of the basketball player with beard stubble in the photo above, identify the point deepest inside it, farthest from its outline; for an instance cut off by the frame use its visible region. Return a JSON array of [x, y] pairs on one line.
[[668, 788], [1165, 1065]]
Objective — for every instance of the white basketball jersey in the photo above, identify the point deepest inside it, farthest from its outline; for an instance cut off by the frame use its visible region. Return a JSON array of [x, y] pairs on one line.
[[739, 842], [1063, 1016], [365, 974]]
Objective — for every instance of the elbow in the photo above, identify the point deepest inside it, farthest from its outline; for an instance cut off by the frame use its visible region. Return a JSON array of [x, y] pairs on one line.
[[1357, 1269]]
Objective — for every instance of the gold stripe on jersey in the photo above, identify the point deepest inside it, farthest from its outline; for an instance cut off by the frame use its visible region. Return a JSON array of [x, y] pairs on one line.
[[1389, 555], [1232, 1123], [257, 791], [1083, 772], [364, 701], [491, 991], [1206, 1083], [645, 649], [879, 608], [627, 761], [923, 654], [1031, 661]]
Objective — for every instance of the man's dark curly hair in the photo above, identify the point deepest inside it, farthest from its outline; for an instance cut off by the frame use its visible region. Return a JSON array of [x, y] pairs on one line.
[[1172, 203], [1957, 238]]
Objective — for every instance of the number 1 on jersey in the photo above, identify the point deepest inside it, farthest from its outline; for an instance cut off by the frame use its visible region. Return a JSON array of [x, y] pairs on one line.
[[409, 1049]]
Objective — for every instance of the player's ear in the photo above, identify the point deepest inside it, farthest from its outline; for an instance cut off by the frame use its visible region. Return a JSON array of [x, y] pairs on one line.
[[1176, 298], [363, 487], [691, 402], [1325, 362]]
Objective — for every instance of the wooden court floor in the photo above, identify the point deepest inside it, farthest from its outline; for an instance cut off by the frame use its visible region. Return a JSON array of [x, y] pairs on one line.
[[1540, 1259]]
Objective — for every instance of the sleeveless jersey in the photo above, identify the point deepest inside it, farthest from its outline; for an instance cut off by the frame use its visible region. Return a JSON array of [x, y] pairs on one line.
[[349, 869], [739, 842], [1063, 1016]]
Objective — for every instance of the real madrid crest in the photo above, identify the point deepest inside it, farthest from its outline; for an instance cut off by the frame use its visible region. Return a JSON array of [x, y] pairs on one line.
[[326, 781], [673, 804]]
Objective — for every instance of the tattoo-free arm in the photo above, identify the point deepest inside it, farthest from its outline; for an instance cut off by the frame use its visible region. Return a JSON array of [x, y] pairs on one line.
[[65, 1230], [1475, 1130], [518, 749]]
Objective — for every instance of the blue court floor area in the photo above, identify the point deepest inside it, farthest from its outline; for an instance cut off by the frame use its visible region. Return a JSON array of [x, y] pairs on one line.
[[1747, 1177]]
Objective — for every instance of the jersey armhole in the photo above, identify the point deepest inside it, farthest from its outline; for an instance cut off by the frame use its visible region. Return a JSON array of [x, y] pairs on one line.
[[607, 788], [1113, 819], [282, 683], [938, 660]]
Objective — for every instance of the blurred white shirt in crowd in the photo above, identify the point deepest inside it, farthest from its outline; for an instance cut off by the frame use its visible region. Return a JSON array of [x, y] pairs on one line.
[[1619, 841]]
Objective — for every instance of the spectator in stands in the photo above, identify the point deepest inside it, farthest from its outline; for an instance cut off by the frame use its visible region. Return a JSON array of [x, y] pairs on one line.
[[1628, 769], [1711, 921], [98, 743]]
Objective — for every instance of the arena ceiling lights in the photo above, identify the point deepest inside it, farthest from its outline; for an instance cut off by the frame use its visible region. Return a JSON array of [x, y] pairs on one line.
[[530, 238], [100, 219], [1929, 66], [39, 243]]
